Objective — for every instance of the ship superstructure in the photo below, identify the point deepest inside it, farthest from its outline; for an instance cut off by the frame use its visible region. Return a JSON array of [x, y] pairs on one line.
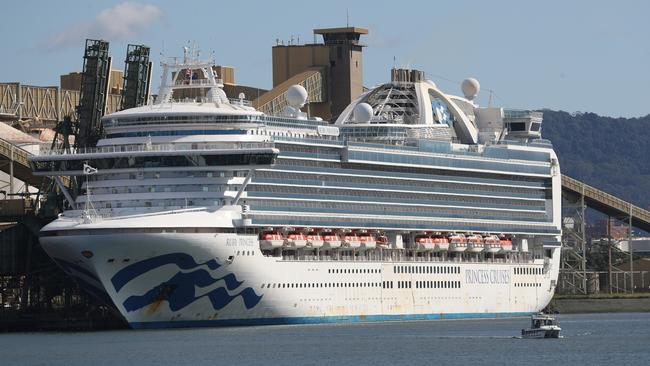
[[414, 204]]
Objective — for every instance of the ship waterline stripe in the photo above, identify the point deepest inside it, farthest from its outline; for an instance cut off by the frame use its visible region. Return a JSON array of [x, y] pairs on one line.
[[323, 319]]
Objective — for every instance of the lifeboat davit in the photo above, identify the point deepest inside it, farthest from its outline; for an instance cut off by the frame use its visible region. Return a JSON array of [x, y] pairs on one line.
[[505, 243], [475, 243], [491, 244], [457, 243], [271, 240], [296, 240], [382, 241], [331, 240]]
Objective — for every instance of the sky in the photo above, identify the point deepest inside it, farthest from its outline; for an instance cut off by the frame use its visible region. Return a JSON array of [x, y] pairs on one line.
[[576, 56]]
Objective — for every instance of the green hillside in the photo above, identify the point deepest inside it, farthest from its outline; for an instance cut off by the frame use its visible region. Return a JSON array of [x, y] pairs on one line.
[[612, 154]]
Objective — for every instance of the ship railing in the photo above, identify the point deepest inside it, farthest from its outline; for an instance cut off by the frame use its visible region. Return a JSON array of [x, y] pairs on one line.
[[46, 150], [242, 102], [400, 256], [198, 82]]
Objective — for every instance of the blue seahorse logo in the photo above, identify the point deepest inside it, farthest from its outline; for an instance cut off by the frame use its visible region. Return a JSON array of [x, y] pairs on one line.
[[179, 290]]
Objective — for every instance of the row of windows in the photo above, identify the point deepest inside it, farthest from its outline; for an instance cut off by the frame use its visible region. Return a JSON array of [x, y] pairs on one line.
[[528, 284], [323, 285], [411, 172], [528, 271], [404, 184], [165, 189], [211, 119], [142, 175], [404, 284], [354, 270], [379, 209], [383, 284], [155, 161], [437, 284], [426, 269], [392, 196], [262, 219], [177, 133], [445, 162]]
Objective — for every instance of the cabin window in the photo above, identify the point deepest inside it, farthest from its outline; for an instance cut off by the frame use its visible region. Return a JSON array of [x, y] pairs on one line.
[[517, 126]]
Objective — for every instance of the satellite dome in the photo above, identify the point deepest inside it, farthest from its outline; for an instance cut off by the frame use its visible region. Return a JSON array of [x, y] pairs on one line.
[[296, 96], [363, 113], [470, 88]]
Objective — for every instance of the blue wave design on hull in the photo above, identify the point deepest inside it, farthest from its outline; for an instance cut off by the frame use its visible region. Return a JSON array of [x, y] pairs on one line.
[[179, 291], [182, 260]]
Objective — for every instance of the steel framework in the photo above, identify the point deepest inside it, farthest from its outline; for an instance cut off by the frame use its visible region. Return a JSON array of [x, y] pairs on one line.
[[137, 74], [94, 89]]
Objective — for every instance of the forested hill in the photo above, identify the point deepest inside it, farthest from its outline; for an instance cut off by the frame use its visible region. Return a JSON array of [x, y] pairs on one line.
[[612, 154]]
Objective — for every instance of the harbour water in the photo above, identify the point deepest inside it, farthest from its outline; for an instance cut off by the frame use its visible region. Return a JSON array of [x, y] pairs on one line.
[[593, 339]]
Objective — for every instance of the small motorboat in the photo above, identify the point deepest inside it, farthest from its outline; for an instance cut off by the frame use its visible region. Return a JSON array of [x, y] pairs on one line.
[[542, 326]]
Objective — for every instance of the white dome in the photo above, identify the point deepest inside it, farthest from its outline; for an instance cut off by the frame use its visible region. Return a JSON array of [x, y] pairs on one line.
[[362, 113], [470, 88], [296, 96]]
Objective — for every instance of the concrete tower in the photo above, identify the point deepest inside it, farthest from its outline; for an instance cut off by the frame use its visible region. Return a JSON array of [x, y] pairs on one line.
[[339, 56]]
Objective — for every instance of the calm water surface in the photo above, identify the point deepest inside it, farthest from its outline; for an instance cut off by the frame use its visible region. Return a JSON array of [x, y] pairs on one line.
[[593, 339]]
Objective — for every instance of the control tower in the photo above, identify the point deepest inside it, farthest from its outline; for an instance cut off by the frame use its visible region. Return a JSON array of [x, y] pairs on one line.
[[339, 57]]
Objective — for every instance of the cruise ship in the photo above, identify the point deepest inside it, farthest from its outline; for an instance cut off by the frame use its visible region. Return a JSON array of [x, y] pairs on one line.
[[413, 204]]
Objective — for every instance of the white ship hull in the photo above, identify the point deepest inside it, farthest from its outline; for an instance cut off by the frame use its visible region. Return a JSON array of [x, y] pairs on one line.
[[176, 278]]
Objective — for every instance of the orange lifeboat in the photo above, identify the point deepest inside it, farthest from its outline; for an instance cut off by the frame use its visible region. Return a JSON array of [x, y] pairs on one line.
[[457, 243], [351, 241], [314, 240], [441, 243], [367, 241], [475, 243], [505, 243], [271, 240], [331, 240], [492, 244], [424, 242], [296, 240]]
